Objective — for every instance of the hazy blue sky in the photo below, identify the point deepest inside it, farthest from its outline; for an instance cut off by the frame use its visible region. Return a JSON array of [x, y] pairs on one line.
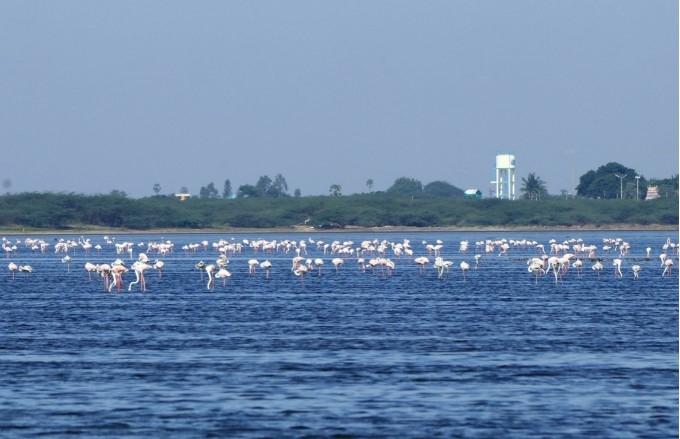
[[123, 94]]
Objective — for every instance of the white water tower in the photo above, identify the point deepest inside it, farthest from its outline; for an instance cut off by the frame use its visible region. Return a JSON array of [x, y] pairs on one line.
[[505, 177]]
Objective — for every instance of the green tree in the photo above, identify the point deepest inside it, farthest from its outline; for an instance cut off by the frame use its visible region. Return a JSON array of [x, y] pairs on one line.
[[279, 187], [117, 193], [209, 191], [247, 191], [263, 186], [335, 190], [406, 186], [533, 187], [603, 182], [369, 184], [226, 191], [212, 190], [443, 189], [297, 193], [184, 190], [157, 189]]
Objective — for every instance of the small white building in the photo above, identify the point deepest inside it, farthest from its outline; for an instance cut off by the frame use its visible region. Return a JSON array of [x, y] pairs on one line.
[[473, 193], [183, 197]]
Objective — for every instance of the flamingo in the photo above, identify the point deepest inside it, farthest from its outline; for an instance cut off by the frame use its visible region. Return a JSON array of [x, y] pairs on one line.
[[223, 274], [90, 268], [578, 265], [12, 267], [266, 266], [117, 271], [158, 265], [464, 266], [388, 264], [252, 265], [200, 266], [649, 251], [636, 271], [617, 267], [318, 263], [104, 270], [140, 267], [477, 258], [210, 269], [67, 260], [536, 267], [668, 267], [421, 261], [554, 264], [337, 262], [597, 267], [297, 262], [25, 269], [300, 272], [442, 266]]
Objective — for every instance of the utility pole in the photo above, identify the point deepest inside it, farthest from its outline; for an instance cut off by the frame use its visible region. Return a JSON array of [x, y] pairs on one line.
[[621, 177], [637, 188]]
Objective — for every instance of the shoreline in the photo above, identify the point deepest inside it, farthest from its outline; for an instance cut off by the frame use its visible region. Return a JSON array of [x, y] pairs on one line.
[[349, 229]]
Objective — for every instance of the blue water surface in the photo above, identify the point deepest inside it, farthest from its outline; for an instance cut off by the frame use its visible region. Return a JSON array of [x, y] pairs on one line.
[[344, 354]]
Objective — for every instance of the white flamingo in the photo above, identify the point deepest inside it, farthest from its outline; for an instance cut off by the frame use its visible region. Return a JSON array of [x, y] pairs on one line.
[[139, 267], [90, 268], [67, 260], [668, 267], [25, 269], [12, 267], [597, 267], [578, 266], [266, 266], [210, 269], [158, 265], [421, 261], [117, 271], [223, 274], [636, 271], [617, 267], [318, 263], [464, 266], [337, 262], [252, 266], [536, 267]]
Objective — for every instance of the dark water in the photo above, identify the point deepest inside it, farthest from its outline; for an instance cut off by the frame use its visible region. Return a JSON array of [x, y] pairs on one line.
[[345, 354]]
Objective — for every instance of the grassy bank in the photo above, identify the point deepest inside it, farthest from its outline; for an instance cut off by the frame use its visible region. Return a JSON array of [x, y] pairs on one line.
[[35, 211]]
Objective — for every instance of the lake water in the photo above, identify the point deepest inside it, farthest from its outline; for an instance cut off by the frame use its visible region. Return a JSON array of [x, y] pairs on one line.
[[346, 354]]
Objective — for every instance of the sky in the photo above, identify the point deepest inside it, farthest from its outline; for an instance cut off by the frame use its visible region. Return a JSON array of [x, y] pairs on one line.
[[96, 96]]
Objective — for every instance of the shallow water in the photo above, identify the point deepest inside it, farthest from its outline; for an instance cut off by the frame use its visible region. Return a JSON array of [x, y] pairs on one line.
[[343, 354]]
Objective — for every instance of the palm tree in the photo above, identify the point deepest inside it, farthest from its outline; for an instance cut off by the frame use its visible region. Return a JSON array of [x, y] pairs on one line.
[[533, 187], [369, 184]]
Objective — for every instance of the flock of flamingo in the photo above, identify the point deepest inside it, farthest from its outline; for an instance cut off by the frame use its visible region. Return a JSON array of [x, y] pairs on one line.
[[376, 256]]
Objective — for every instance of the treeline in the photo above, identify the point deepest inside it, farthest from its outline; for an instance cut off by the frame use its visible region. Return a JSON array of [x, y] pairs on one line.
[[266, 187], [62, 211], [610, 181], [614, 180]]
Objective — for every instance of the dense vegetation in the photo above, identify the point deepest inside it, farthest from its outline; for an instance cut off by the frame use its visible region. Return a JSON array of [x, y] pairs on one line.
[[50, 210], [614, 180]]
